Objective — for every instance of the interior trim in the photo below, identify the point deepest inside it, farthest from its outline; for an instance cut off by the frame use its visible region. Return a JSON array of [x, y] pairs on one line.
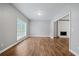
[[13, 44], [73, 52]]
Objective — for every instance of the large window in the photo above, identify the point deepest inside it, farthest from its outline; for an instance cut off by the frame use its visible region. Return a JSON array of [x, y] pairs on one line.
[[21, 28]]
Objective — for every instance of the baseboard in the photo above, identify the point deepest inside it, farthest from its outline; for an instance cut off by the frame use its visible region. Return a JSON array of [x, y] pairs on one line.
[[73, 52], [39, 36], [13, 44]]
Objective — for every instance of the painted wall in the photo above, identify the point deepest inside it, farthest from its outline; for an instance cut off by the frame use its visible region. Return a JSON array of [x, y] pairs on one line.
[[40, 28], [74, 27], [74, 17], [8, 17]]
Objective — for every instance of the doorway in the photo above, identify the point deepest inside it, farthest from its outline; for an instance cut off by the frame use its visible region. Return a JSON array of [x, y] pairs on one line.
[[62, 34]]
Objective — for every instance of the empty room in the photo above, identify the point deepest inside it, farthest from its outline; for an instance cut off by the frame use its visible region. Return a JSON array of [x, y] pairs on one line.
[[39, 29]]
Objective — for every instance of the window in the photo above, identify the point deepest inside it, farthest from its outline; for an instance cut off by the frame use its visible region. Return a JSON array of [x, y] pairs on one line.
[[21, 28]]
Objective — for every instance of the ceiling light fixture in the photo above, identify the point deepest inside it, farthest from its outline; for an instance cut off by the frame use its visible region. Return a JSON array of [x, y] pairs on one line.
[[39, 13]]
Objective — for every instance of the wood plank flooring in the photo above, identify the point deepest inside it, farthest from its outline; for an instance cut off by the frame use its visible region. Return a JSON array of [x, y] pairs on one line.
[[40, 46]]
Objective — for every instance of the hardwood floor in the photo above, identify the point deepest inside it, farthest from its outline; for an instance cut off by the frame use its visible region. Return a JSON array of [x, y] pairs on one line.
[[40, 47]]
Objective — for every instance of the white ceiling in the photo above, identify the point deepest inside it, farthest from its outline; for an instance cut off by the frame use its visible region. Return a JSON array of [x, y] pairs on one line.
[[39, 11]]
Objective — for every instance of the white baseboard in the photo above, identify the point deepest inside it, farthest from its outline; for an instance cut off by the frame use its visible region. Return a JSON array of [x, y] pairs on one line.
[[73, 52], [13, 45], [38, 36]]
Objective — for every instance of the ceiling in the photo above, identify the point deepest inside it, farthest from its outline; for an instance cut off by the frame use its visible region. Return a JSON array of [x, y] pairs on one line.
[[39, 11]]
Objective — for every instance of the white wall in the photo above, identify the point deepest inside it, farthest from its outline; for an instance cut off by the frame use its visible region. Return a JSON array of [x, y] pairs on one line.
[[40, 28], [8, 29]]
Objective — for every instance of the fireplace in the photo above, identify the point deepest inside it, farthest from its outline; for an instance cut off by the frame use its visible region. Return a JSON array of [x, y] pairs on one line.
[[63, 33]]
